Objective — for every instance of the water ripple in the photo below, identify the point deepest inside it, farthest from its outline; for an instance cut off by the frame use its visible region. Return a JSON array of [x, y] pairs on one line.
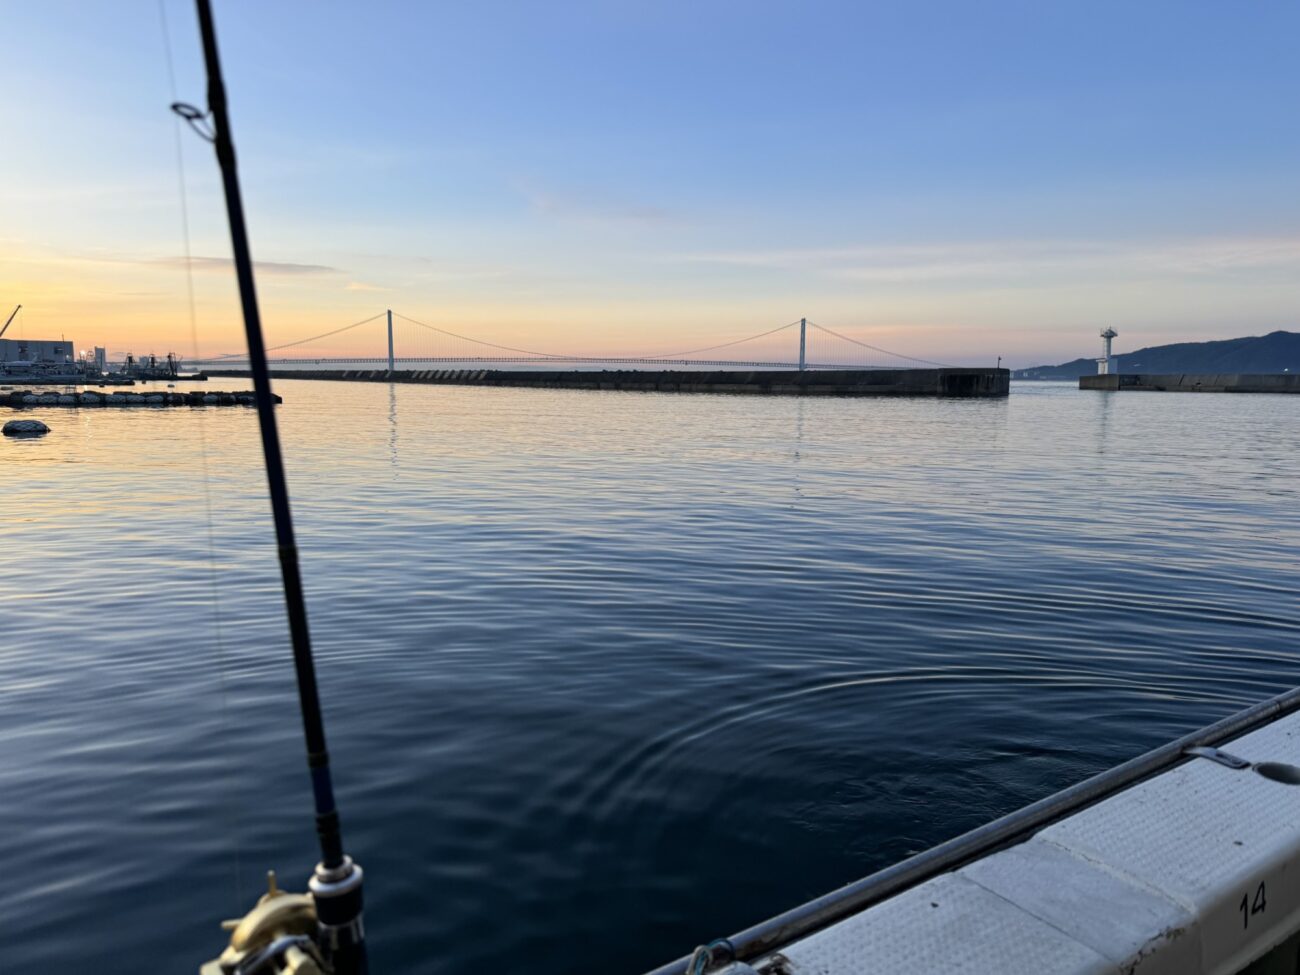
[[618, 671]]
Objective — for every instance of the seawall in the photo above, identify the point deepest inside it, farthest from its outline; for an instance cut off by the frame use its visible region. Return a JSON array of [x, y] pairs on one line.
[[1196, 382], [41, 379], [845, 382], [22, 399]]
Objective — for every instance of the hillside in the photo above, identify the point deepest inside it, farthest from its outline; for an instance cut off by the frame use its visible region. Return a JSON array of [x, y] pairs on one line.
[[1274, 352]]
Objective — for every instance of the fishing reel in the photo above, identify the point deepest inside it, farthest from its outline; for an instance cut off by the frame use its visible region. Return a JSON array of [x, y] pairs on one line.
[[277, 937]]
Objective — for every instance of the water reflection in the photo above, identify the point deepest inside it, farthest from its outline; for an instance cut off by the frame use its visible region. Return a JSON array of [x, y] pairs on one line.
[[392, 426], [1103, 407], [596, 654]]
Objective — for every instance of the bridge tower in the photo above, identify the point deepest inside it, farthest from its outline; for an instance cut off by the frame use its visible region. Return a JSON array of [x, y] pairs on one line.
[[1106, 364], [803, 343], [390, 341]]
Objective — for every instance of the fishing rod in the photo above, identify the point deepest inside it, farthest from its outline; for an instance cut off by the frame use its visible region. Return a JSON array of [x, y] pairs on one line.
[[335, 884]]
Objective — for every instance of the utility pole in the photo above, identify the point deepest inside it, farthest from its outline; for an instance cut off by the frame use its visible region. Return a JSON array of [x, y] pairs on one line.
[[803, 343], [390, 341]]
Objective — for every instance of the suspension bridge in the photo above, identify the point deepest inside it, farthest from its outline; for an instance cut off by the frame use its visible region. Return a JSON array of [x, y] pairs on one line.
[[798, 358], [400, 342]]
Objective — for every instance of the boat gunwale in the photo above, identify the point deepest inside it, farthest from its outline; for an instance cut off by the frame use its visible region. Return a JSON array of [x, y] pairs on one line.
[[768, 936]]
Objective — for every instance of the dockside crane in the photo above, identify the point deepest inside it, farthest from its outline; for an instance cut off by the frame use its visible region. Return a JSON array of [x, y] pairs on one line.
[[10, 321]]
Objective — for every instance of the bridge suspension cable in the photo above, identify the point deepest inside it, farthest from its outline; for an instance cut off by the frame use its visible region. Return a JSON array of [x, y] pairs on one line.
[[724, 345], [466, 338], [836, 359], [578, 358], [876, 348], [313, 338]]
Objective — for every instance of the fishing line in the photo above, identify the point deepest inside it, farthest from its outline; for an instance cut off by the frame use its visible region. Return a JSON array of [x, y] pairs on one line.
[[336, 885], [230, 807]]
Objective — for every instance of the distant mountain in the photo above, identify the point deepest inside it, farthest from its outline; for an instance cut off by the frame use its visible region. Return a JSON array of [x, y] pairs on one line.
[[1274, 352]]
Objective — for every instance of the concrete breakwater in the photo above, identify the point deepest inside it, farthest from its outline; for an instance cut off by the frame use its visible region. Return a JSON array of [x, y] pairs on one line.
[[1195, 382], [26, 399], [840, 382], [73, 379]]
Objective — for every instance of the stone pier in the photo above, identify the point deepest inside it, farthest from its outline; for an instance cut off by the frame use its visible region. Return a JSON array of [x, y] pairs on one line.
[[840, 382], [1230, 382]]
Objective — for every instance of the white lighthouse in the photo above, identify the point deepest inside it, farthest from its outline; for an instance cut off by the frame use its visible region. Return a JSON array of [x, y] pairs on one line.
[[1106, 364]]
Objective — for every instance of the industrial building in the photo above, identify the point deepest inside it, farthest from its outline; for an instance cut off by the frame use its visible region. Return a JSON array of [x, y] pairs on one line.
[[44, 356], [37, 353]]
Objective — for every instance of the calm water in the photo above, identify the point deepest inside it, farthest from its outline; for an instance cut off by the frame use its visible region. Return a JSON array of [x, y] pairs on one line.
[[605, 674]]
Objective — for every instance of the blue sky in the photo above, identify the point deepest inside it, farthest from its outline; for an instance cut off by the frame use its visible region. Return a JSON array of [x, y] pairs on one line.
[[953, 180]]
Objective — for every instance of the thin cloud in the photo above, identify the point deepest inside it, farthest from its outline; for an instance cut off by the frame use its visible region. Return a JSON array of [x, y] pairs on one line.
[[284, 268], [589, 208], [362, 286], [1020, 259], [453, 273]]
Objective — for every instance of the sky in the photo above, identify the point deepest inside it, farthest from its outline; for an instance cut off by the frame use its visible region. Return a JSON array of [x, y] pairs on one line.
[[950, 180]]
